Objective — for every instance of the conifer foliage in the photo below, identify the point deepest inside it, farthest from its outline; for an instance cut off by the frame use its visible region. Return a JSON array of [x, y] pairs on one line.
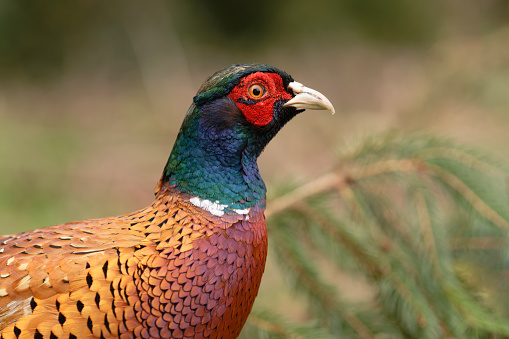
[[422, 221]]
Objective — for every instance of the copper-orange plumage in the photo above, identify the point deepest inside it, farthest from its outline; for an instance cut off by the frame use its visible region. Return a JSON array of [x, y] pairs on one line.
[[187, 266]]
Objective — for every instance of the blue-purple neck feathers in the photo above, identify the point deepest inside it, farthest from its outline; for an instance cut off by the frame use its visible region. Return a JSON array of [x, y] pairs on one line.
[[215, 158]]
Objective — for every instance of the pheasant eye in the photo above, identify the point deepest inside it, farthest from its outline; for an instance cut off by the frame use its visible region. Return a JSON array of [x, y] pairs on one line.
[[256, 91]]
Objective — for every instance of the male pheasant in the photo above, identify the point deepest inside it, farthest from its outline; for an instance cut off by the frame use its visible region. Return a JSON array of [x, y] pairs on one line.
[[187, 266]]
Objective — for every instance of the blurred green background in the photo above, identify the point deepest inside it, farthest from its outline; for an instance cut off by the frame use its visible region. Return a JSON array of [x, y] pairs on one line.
[[92, 93]]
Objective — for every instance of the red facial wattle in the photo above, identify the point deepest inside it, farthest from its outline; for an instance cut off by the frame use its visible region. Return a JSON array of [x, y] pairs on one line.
[[259, 110]]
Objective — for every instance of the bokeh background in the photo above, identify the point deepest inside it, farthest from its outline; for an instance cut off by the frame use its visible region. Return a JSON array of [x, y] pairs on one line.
[[92, 93]]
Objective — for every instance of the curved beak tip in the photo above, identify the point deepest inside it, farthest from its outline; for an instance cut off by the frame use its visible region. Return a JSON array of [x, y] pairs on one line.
[[308, 98]]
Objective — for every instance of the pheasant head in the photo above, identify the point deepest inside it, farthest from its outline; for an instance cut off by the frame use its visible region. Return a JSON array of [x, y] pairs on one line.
[[234, 115]]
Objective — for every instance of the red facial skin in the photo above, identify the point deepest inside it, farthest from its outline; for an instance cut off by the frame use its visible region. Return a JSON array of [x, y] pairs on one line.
[[259, 111]]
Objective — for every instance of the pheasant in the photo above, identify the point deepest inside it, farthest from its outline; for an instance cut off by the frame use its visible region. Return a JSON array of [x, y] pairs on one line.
[[188, 265]]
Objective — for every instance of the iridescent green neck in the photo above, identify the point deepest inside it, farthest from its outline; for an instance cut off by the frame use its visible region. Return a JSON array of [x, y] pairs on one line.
[[216, 164]]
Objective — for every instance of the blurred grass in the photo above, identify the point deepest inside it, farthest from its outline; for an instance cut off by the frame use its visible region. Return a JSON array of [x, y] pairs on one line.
[[49, 150], [92, 94]]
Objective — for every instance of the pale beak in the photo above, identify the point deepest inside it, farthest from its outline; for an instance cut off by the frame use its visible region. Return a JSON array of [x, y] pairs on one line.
[[307, 98]]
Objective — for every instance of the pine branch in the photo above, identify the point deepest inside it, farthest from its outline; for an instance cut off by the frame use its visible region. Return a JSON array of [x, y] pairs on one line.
[[267, 324], [405, 213], [295, 260], [468, 194], [480, 243], [323, 183]]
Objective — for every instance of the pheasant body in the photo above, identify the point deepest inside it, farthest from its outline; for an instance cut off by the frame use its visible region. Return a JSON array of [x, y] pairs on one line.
[[187, 266], [111, 288]]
